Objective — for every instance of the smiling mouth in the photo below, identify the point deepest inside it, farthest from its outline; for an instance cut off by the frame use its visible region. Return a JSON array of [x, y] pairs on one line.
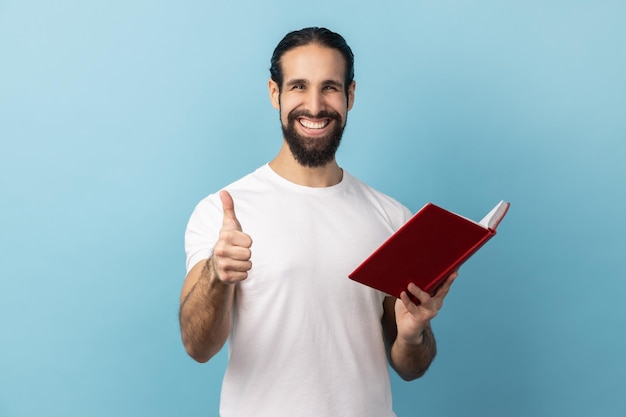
[[310, 124]]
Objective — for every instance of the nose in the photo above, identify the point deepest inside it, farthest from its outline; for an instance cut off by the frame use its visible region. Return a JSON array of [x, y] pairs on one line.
[[315, 101]]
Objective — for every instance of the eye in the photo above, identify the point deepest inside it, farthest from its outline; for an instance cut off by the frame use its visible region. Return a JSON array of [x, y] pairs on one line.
[[298, 87], [331, 87]]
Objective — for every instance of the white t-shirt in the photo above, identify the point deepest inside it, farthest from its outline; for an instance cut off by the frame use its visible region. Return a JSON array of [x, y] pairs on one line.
[[306, 340]]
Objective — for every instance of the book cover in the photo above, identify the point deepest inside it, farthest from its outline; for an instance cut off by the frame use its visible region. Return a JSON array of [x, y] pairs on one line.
[[427, 249]]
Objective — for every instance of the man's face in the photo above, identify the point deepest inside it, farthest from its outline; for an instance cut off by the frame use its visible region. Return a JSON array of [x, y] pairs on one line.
[[313, 103]]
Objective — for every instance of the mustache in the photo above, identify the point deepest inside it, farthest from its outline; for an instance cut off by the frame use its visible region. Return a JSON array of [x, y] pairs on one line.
[[324, 114]]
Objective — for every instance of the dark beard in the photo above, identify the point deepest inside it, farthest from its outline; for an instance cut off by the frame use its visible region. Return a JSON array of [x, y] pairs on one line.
[[313, 152]]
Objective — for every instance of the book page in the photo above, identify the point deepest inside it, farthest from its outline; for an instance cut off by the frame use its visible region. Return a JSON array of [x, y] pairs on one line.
[[492, 219]]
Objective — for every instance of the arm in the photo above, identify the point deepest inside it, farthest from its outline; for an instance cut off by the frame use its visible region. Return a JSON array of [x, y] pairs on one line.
[[208, 292], [205, 311], [409, 339]]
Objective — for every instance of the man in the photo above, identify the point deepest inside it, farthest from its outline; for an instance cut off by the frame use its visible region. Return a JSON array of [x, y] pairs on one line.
[[304, 340]]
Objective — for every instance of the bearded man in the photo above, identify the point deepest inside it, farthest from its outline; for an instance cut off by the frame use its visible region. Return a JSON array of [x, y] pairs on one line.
[[303, 339]]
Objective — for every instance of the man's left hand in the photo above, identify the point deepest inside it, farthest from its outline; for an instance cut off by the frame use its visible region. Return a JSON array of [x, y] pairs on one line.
[[413, 319]]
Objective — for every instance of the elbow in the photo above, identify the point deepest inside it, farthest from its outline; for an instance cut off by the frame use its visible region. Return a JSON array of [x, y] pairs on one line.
[[197, 354], [412, 367], [408, 377], [202, 341], [200, 350], [200, 358]]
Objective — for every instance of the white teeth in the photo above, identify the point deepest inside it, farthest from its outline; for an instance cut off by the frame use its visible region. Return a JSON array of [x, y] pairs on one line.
[[313, 125]]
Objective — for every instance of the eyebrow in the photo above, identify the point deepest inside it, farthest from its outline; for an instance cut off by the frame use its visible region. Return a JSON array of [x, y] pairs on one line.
[[297, 81]]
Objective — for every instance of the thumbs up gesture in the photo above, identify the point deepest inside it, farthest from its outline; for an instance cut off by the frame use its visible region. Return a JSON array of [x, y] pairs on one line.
[[231, 255]]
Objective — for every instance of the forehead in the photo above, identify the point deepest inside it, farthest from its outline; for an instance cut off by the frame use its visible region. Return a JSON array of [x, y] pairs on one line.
[[314, 63]]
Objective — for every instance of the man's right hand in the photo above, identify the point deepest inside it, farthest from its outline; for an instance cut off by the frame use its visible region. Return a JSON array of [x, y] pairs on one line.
[[231, 255]]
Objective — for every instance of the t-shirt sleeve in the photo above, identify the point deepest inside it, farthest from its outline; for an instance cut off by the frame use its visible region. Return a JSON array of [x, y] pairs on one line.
[[203, 230]]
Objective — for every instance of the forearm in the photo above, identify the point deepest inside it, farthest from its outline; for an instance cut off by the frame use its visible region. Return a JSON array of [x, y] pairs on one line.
[[411, 361], [205, 315]]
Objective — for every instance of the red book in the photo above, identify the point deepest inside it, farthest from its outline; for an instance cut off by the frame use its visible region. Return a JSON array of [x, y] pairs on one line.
[[427, 249]]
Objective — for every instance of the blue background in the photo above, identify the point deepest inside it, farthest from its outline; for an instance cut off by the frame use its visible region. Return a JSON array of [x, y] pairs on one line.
[[117, 117]]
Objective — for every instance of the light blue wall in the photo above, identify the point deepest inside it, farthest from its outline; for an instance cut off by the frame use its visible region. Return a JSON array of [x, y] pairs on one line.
[[116, 117]]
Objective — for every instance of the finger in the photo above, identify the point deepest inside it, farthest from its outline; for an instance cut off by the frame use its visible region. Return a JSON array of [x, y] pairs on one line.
[[230, 265], [232, 277], [231, 237], [234, 252], [422, 312], [409, 305], [228, 205], [229, 271], [422, 296]]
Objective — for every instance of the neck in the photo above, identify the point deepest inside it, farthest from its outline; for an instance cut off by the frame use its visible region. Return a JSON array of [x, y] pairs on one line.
[[285, 165]]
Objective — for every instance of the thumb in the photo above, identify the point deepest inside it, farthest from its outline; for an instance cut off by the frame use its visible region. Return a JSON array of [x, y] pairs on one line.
[[230, 219]]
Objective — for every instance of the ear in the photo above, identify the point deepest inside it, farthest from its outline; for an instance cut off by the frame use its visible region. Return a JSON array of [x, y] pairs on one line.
[[274, 93], [351, 95]]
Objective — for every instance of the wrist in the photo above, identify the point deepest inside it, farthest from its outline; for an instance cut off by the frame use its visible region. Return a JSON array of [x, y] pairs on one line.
[[414, 340], [211, 275], [417, 338]]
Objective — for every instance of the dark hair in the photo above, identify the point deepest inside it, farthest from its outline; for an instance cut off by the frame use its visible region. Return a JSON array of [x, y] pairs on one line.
[[306, 36]]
